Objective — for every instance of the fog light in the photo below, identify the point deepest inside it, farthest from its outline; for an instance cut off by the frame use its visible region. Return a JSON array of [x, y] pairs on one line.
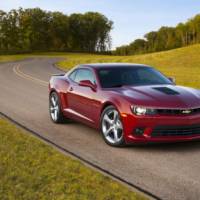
[[139, 131]]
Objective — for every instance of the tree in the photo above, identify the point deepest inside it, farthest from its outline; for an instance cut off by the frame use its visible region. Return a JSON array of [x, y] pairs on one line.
[[151, 39], [26, 30], [165, 38], [90, 32], [59, 31]]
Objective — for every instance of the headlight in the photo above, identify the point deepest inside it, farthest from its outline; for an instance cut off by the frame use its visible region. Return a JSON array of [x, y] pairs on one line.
[[143, 111]]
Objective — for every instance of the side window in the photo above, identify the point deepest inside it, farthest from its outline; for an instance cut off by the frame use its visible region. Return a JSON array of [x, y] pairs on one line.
[[73, 75], [84, 74]]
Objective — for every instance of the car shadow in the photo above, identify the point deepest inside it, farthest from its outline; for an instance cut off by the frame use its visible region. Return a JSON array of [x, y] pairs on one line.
[[175, 146]]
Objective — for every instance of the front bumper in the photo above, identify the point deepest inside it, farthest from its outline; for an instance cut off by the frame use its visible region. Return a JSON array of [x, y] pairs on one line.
[[151, 123]]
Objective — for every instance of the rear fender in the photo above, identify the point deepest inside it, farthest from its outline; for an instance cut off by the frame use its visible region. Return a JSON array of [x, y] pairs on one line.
[[60, 85]]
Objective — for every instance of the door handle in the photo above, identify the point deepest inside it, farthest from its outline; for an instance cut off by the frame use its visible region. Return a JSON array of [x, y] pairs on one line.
[[71, 89]]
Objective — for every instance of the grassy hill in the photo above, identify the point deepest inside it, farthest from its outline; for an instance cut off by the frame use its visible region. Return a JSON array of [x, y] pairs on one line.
[[182, 63]]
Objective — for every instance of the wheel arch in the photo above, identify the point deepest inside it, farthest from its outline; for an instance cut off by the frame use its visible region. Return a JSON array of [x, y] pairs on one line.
[[52, 90], [60, 96], [106, 104]]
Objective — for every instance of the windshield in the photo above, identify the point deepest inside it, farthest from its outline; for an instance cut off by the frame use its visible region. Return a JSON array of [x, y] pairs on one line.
[[120, 76]]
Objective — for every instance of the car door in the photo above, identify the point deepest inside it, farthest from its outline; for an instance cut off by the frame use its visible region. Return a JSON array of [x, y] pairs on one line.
[[82, 100]]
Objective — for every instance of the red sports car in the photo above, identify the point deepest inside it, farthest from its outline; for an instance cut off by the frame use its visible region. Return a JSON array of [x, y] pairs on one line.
[[129, 103]]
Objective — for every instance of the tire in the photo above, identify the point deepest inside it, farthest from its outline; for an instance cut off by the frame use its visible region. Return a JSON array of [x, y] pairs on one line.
[[55, 111], [112, 127]]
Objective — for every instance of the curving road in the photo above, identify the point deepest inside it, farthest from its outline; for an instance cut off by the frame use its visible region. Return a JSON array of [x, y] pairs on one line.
[[168, 171]]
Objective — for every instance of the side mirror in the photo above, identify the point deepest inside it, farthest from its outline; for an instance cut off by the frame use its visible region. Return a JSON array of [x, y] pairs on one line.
[[172, 79], [88, 83]]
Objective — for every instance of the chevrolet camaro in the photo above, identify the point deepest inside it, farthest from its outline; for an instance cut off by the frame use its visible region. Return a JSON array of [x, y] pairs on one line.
[[128, 103]]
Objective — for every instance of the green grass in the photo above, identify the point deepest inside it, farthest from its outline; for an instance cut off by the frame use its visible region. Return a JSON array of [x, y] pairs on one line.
[[6, 58], [32, 170], [183, 63], [9, 58]]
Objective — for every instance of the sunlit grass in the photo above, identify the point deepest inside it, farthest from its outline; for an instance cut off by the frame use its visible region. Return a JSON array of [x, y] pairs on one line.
[[183, 63], [6, 58], [32, 170]]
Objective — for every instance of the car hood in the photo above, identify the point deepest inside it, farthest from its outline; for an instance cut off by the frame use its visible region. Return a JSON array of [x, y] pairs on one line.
[[161, 96]]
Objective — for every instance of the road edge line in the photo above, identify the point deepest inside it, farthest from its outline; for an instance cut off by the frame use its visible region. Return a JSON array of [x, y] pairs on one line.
[[130, 185]]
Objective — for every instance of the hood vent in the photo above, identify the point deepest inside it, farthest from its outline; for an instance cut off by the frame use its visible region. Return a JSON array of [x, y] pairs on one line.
[[166, 90]]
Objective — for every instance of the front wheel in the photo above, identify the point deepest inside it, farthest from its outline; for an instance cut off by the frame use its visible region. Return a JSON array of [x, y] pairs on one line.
[[111, 127], [55, 108]]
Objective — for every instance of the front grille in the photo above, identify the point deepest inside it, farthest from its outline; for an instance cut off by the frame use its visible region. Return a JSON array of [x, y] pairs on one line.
[[178, 111], [176, 130]]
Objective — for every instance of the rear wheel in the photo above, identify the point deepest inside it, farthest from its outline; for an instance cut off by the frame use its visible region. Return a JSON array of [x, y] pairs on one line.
[[55, 108], [111, 127]]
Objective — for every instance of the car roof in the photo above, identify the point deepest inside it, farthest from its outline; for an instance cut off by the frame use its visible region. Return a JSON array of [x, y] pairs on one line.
[[102, 65]]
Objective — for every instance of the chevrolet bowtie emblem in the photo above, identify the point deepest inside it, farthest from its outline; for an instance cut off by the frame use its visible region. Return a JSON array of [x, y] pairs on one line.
[[186, 111]]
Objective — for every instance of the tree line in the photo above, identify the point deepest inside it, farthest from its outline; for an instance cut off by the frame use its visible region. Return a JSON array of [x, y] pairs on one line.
[[28, 30], [165, 38]]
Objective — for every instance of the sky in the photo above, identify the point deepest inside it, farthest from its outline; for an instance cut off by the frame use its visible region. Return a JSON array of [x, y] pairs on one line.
[[132, 18]]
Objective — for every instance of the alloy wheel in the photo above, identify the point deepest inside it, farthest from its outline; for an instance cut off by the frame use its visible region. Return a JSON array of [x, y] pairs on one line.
[[112, 127], [54, 107]]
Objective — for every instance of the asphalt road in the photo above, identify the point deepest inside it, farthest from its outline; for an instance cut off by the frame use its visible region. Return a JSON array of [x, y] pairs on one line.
[[169, 171]]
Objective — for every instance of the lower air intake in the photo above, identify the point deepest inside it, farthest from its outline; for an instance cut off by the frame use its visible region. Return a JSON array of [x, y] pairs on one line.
[[176, 130]]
